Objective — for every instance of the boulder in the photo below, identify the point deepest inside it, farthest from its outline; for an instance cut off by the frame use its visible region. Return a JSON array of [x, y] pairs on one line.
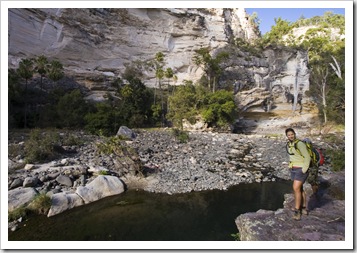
[[30, 182], [100, 187], [126, 132], [20, 197], [16, 183], [324, 222], [64, 180], [64, 201]]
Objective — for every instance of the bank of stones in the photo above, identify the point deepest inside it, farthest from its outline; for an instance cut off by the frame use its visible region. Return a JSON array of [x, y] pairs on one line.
[[206, 161]]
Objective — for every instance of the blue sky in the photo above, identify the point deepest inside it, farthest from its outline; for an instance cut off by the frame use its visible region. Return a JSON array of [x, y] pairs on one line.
[[267, 15]]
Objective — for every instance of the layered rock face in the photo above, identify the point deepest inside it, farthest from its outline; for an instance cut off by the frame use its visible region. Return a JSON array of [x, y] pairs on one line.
[[101, 41], [95, 45]]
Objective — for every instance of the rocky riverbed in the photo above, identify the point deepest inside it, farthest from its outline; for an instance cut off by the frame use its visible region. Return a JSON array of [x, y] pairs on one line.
[[206, 161]]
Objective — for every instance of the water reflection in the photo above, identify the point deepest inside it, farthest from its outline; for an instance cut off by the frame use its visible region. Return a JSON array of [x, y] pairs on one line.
[[143, 216]]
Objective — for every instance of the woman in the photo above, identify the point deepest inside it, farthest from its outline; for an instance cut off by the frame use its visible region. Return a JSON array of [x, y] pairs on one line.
[[299, 165]]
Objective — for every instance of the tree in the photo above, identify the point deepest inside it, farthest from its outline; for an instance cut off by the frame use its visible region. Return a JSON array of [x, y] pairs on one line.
[[26, 71], [71, 109], [210, 65], [183, 104], [158, 66], [55, 71], [168, 74], [41, 65], [255, 21], [327, 86], [220, 109], [319, 77]]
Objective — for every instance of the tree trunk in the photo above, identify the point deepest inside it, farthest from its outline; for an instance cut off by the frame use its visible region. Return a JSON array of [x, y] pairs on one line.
[[296, 91]]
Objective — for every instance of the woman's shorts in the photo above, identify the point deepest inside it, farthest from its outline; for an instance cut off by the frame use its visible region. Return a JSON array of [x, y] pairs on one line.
[[296, 174]]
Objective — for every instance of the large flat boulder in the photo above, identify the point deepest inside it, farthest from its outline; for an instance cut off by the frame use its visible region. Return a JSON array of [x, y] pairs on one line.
[[100, 187], [20, 197], [325, 221], [63, 201]]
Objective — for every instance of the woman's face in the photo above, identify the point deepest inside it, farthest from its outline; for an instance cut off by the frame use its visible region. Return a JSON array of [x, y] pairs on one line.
[[290, 135]]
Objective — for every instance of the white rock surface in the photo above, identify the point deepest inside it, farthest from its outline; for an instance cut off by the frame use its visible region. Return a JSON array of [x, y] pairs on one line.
[[100, 41], [102, 186]]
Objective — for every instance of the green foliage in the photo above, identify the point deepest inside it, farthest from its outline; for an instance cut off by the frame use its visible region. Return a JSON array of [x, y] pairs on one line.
[[156, 112], [246, 46], [115, 145], [105, 119], [124, 155], [55, 71], [335, 154], [41, 66], [71, 108], [26, 69], [41, 204], [18, 213], [327, 84], [181, 136], [183, 105], [41, 146], [337, 159], [220, 109], [217, 109], [210, 65], [322, 26], [133, 108], [236, 236], [275, 35]]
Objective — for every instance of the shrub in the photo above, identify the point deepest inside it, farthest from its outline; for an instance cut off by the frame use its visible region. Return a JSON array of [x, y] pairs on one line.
[[236, 236], [181, 136], [71, 109], [220, 109], [41, 146], [40, 204], [18, 213], [126, 158], [337, 159]]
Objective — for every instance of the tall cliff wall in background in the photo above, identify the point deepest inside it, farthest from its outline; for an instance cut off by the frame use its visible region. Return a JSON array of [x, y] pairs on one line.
[[100, 41], [95, 44]]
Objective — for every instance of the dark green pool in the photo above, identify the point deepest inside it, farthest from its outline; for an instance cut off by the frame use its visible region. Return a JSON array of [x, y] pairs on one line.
[[143, 216]]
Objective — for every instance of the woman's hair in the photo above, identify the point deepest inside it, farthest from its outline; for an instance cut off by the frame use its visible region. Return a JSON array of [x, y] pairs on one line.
[[289, 130]]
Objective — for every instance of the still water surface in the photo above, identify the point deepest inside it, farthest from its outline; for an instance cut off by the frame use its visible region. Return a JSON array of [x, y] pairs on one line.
[[143, 216]]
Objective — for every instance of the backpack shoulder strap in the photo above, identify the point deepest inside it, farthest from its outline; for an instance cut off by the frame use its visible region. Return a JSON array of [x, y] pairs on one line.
[[295, 146]]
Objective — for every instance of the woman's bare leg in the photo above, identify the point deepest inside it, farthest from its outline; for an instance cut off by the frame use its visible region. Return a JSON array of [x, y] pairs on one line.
[[298, 194]]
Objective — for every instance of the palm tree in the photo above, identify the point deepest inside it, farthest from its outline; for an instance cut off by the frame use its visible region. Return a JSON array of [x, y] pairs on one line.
[[41, 67], [168, 74], [55, 71], [25, 71]]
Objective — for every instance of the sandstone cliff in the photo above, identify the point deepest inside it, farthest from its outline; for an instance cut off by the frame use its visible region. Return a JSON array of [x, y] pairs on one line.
[[95, 45], [100, 41]]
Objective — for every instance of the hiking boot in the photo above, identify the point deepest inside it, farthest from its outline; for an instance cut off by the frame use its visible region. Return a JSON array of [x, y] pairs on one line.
[[304, 211], [297, 215]]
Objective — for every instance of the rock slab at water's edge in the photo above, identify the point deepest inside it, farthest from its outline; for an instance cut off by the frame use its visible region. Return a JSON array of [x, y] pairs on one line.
[[324, 222]]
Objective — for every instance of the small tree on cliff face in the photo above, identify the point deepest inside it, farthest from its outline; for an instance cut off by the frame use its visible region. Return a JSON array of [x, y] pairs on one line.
[[210, 65]]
